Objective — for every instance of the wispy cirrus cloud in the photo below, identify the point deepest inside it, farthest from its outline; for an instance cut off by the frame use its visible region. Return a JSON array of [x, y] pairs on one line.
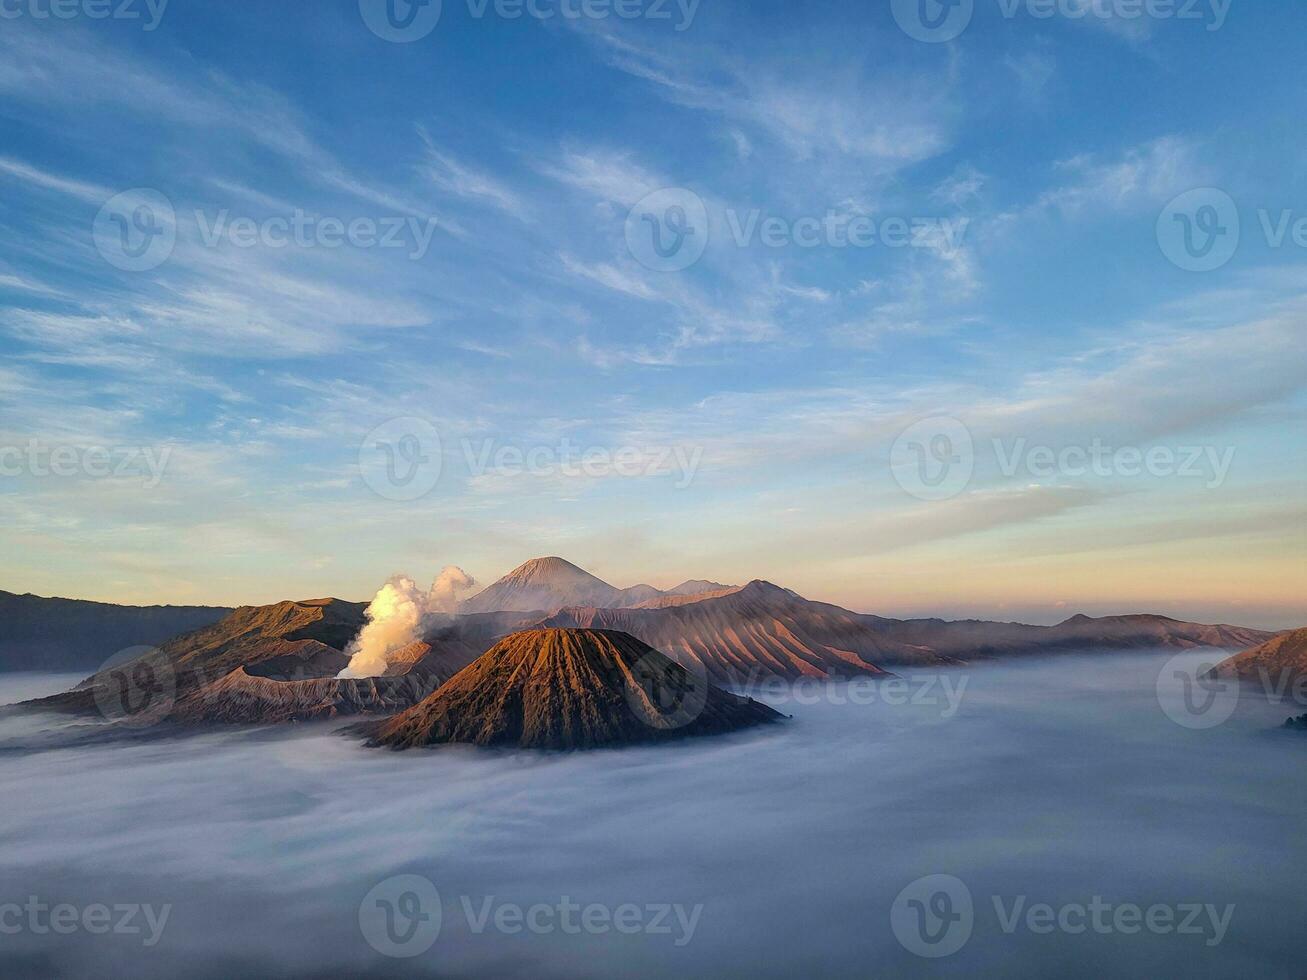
[[887, 120], [46, 180], [458, 179], [1141, 176]]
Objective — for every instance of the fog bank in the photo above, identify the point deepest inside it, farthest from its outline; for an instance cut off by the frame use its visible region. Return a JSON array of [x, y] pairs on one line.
[[1051, 781]]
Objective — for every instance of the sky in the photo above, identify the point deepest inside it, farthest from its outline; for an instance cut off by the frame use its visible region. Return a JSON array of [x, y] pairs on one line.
[[993, 309]]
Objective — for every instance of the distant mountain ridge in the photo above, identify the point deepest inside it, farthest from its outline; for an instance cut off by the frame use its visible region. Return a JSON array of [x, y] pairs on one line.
[[758, 631], [980, 639], [267, 661], [762, 630], [39, 633]]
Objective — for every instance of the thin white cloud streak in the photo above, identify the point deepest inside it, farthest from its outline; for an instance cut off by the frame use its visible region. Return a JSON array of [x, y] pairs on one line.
[[888, 120], [35, 176], [1138, 178], [77, 72], [1174, 383], [457, 178]]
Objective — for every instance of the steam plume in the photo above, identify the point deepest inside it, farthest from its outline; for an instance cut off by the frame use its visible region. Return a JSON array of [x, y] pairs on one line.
[[401, 614]]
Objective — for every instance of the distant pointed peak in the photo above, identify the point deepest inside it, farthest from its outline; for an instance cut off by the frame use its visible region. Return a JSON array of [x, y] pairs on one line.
[[548, 561], [551, 565], [1079, 619], [542, 584]]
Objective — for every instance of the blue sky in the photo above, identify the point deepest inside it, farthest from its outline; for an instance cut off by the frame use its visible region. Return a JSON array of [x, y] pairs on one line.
[[761, 393]]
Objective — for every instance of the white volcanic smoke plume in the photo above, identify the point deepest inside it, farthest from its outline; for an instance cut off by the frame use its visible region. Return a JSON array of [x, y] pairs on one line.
[[400, 614]]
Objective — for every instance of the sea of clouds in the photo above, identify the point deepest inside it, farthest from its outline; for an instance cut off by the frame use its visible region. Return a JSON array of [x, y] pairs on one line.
[[1054, 781]]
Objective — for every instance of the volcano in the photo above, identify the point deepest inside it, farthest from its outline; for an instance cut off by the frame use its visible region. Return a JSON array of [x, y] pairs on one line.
[[546, 585], [739, 635], [286, 641], [733, 636], [246, 698], [570, 689]]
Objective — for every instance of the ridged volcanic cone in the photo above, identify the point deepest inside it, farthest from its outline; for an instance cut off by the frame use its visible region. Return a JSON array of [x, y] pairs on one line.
[[570, 689]]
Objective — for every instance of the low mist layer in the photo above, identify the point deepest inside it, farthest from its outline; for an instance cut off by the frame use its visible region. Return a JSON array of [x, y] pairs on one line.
[[1053, 781]]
